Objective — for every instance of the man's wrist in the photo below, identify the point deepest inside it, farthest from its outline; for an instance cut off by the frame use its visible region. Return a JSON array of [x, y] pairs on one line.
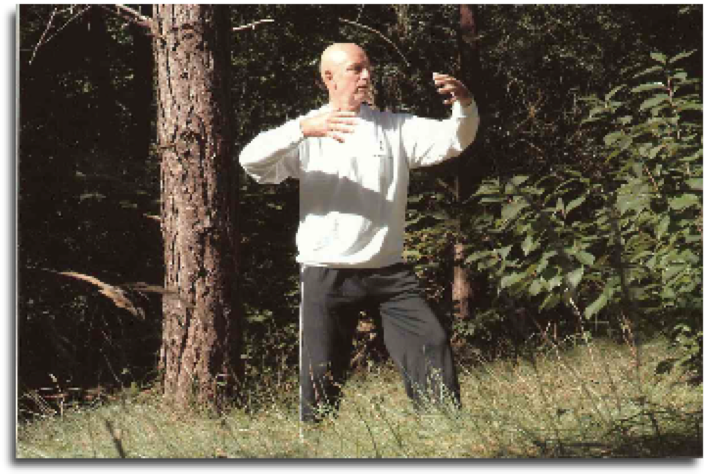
[[466, 101], [301, 129]]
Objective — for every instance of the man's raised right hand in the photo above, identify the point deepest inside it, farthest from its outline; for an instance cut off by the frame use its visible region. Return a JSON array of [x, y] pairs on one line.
[[334, 124]]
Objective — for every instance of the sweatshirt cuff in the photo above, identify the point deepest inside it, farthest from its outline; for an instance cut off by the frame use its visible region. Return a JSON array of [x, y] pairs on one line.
[[460, 111], [292, 132]]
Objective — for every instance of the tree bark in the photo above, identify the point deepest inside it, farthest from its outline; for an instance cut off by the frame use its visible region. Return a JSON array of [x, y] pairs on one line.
[[199, 356]]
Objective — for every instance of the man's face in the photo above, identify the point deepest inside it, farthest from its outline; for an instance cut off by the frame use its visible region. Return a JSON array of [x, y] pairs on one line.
[[351, 78]]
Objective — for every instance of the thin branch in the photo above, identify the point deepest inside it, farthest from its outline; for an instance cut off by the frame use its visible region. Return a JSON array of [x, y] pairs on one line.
[[42, 43], [252, 26], [134, 13], [359, 25], [41, 39], [134, 17], [126, 12]]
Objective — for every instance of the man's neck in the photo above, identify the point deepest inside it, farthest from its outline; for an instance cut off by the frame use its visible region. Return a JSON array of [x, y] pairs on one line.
[[344, 107]]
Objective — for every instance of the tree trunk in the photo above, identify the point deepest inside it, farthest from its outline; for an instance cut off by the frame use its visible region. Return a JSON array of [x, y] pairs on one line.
[[201, 328], [469, 168]]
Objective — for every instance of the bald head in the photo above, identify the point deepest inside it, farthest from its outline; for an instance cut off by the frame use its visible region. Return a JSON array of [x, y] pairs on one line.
[[346, 72], [336, 54]]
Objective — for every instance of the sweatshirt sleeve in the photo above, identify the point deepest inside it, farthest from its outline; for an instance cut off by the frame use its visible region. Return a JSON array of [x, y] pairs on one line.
[[274, 155], [428, 142]]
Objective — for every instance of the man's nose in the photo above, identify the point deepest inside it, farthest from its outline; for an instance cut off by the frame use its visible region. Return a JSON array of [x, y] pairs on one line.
[[366, 73]]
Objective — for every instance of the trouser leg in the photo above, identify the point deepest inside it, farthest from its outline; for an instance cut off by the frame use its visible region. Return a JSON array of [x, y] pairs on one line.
[[417, 342], [327, 329]]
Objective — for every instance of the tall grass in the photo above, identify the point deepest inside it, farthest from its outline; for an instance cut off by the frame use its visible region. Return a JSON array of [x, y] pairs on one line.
[[569, 400]]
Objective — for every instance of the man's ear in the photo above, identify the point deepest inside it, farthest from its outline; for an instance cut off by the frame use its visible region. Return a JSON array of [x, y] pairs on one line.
[[327, 76]]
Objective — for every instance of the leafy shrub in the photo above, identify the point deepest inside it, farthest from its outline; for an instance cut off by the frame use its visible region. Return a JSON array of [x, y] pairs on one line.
[[618, 239]]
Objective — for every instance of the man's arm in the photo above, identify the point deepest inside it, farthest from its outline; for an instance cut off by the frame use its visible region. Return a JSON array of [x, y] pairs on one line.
[[274, 155], [428, 142]]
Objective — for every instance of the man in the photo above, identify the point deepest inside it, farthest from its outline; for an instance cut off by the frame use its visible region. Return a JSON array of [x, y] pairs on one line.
[[353, 165]]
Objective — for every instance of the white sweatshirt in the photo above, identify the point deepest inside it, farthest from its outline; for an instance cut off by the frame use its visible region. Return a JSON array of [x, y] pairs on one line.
[[353, 194]]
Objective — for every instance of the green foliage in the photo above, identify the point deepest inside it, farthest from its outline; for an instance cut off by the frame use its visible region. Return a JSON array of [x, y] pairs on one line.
[[621, 241]]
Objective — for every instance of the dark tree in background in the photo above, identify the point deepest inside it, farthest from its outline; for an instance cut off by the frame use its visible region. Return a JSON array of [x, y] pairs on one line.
[[142, 110], [469, 166]]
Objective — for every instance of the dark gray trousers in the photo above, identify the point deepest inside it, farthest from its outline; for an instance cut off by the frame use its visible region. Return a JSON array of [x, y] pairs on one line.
[[332, 299]]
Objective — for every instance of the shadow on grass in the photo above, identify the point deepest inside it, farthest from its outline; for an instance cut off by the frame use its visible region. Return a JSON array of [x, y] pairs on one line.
[[685, 443]]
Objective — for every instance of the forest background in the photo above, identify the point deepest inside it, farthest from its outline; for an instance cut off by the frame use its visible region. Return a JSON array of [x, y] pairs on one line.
[[577, 211]]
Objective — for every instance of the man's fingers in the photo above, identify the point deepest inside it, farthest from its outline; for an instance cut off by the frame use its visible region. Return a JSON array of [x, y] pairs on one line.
[[447, 84], [345, 113], [342, 123], [335, 136]]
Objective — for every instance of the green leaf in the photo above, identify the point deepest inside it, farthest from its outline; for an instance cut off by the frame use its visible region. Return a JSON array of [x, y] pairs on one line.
[[659, 57], [596, 305], [673, 271], [528, 245], [511, 210], [554, 282], [625, 120], [694, 183], [550, 301], [649, 70], [648, 87], [574, 277], [627, 202], [654, 151], [487, 188], [535, 287], [490, 199], [439, 215], [574, 204], [478, 256], [613, 92], [585, 258], [613, 137], [503, 251], [684, 201], [518, 180], [653, 101], [512, 279], [560, 206], [662, 226], [677, 57], [696, 157]]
